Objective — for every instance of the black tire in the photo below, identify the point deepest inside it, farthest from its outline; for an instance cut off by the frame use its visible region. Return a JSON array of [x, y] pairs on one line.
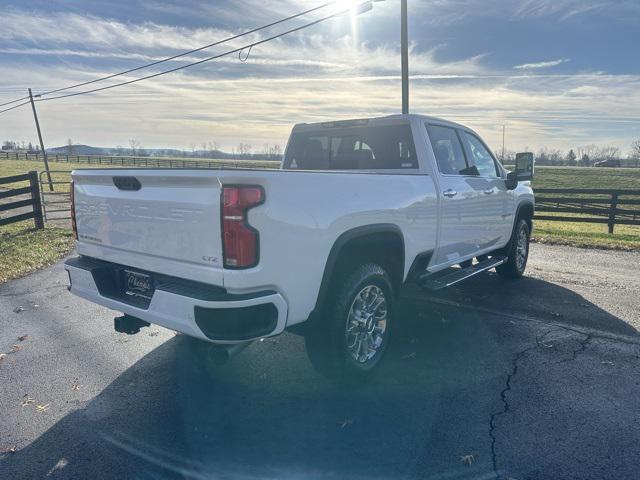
[[518, 252], [330, 346]]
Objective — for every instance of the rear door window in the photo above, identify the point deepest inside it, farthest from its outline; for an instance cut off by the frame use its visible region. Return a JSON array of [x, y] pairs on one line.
[[448, 150], [354, 148]]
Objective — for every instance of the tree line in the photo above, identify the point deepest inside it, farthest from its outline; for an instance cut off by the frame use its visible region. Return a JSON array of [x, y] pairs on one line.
[[211, 149], [585, 156]]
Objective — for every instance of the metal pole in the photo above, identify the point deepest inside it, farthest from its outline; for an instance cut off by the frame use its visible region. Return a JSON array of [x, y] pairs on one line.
[[503, 126], [404, 47], [44, 153]]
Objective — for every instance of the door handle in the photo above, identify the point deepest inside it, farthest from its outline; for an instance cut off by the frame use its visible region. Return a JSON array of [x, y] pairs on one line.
[[450, 193], [489, 191]]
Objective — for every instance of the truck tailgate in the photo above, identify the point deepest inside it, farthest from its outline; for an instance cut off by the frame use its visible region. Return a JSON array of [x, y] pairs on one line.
[[139, 216]]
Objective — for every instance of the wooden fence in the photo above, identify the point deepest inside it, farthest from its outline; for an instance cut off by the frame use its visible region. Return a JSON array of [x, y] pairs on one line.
[[34, 202], [613, 207], [147, 162]]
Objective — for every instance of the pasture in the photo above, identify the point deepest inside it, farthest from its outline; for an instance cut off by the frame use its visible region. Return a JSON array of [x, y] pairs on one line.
[[577, 234]]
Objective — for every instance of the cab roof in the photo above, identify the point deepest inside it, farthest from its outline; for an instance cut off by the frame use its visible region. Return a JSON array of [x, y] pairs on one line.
[[374, 121]]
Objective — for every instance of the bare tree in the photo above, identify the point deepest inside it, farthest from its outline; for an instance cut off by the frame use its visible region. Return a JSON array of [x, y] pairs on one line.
[[213, 149], [134, 146], [590, 154], [243, 149], [549, 156], [214, 146], [635, 152]]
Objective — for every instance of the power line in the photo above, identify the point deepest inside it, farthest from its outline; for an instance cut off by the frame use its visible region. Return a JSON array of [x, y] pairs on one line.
[[15, 106], [13, 101], [164, 60], [208, 59]]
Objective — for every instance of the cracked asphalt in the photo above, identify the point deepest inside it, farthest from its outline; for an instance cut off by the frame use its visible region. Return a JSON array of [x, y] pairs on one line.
[[535, 379]]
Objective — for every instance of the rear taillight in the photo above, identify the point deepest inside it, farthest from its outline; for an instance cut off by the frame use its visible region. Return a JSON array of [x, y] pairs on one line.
[[240, 242], [73, 210]]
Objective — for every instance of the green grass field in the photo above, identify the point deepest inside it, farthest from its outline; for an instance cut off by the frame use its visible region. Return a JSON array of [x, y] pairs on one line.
[[24, 249], [60, 169], [577, 234], [581, 177], [626, 237]]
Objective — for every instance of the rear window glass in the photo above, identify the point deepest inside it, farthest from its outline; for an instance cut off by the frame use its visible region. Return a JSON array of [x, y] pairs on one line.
[[356, 148], [448, 150]]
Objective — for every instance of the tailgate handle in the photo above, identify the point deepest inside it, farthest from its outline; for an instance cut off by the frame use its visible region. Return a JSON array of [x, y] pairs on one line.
[[127, 183]]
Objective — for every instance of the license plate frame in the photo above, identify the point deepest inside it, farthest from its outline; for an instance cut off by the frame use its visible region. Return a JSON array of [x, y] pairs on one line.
[[138, 284]]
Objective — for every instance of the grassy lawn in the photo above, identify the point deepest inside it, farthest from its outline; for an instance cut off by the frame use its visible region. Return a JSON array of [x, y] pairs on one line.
[[583, 177], [587, 235], [24, 249], [577, 234], [626, 237], [18, 167]]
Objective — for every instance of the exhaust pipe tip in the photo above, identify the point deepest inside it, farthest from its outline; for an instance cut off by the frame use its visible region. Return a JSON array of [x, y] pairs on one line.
[[128, 324], [221, 354]]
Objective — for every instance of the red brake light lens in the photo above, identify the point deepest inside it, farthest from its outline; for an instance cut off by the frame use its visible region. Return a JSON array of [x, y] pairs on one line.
[[240, 241], [73, 209]]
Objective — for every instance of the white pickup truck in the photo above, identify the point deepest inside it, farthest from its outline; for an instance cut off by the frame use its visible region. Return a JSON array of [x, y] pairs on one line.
[[357, 209]]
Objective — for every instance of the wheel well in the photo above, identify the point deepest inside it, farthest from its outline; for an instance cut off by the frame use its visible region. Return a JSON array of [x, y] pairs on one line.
[[526, 212], [382, 244], [384, 248]]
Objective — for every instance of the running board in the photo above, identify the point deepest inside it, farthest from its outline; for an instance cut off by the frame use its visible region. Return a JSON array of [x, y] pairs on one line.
[[451, 276]]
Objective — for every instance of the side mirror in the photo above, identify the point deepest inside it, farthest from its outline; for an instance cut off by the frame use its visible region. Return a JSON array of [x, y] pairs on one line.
[[523, 171]]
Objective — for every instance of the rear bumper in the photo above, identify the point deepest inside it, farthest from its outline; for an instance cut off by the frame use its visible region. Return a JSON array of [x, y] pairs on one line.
[[203, 311]]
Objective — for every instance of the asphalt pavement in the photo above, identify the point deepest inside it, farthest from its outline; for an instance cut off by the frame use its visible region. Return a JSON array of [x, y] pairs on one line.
[[533, 379]]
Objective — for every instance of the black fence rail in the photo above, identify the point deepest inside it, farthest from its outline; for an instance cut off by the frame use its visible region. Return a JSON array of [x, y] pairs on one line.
[[147, 162], [34, 202], [613, 207]]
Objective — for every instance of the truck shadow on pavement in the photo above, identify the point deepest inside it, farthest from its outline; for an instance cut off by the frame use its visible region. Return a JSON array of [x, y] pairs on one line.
[[267, 414]]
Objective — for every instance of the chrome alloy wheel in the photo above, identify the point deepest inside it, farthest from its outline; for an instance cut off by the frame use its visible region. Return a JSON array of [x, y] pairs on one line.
[[522, 248], [366, 323]]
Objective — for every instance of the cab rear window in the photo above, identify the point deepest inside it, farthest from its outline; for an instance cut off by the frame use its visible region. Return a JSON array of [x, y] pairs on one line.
[[355, 148]]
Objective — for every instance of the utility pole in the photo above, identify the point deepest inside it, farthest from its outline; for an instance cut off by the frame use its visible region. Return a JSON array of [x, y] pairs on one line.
[[503, 127], [404, 47], [44, 153]]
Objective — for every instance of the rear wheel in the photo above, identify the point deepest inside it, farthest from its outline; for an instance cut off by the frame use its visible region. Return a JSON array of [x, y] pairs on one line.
[[518, 252], [352, 336]]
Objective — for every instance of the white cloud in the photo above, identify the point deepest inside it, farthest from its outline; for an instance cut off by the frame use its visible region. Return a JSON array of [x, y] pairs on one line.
[[449, 12], [538, 65], [316, 76]]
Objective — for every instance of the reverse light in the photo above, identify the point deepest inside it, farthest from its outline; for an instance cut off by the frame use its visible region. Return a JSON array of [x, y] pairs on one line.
[[72, 195], [240, 241]]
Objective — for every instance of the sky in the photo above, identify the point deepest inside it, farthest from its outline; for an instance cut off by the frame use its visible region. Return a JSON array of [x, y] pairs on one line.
[[556, 73]]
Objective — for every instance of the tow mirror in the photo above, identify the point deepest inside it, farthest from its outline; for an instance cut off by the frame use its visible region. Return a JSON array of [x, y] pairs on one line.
[[523, 171]]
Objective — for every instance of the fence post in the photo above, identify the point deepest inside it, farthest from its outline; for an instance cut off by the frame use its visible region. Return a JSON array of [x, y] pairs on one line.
[[612, 211], [35, 196]]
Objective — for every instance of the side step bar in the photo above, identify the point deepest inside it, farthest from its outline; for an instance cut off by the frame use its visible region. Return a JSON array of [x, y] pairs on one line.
[[451, 276]]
